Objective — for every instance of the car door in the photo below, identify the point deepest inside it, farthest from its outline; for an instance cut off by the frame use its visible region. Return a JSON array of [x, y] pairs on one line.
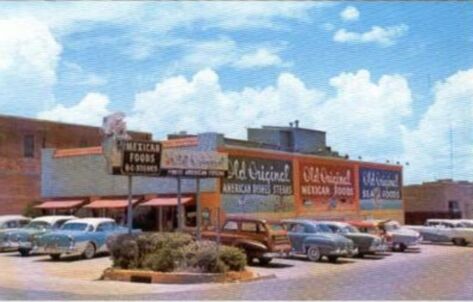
[[103, 231], [296, 235]]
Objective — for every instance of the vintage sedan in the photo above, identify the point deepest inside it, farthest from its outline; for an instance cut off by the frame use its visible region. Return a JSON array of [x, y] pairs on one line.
[[445, 230], [22, 239], [366, 243], [316, 240], [7, 223], [398, 238], [85, 237]]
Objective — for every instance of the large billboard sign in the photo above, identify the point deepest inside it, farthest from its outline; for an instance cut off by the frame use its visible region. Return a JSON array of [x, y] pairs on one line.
[[194, 163], [258, 176], [327, 186], [380, 189]]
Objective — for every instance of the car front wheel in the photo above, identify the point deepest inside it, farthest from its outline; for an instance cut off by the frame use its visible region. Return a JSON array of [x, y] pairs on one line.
[[89, 251], [332, 259], [264, 260], [55, 257], [24, 252], [460, 242], [313, 253]]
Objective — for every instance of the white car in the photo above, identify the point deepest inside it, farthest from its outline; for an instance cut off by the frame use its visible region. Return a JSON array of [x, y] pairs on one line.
[[445, 230]]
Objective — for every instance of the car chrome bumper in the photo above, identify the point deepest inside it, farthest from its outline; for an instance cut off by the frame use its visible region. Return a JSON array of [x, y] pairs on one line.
[[378, 248], [57, 250], [344, 252]]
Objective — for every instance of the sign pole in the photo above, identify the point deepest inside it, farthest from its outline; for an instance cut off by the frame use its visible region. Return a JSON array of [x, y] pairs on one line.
[[179, 205], [218, 229], [130, 208], [197, 208]]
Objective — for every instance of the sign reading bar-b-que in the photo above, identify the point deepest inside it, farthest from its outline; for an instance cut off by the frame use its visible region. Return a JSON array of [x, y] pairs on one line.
[[194, 163], [140, 157]]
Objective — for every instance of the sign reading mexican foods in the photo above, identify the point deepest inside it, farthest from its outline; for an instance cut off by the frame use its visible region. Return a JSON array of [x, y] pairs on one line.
[[319, 180], [194, 163], [249, 175], [140, 157]]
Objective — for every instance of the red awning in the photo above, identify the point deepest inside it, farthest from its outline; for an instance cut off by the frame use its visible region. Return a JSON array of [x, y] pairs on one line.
[[161, 202], [109, 204], [60, 204]]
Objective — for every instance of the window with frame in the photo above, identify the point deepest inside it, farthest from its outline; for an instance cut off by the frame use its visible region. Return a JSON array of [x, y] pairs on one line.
[[230, 226], [453, 206], [28, 145]]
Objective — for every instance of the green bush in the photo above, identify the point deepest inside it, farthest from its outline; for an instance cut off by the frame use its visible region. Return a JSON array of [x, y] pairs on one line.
[[202, 256], [124, 251], [234, 258], [161, 261]]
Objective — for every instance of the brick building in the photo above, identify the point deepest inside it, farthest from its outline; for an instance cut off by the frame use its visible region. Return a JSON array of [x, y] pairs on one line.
[[21, 141], [440, 199], [279, 172]]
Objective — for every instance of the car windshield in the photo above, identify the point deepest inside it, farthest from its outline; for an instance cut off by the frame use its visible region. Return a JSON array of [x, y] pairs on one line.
[[76, 226], [349, 229], [38, 225]]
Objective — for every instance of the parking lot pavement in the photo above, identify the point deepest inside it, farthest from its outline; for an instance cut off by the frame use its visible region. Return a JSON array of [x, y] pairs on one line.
[[434, 272]]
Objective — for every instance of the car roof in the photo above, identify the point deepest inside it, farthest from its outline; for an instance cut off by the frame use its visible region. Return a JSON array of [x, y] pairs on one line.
[[363, 223], [337, 223], [91, 220], [245, 218], [4, 218], [53, 219], [294, 220]]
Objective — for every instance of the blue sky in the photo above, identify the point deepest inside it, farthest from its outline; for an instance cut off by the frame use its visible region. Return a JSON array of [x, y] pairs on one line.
[[386, 80]]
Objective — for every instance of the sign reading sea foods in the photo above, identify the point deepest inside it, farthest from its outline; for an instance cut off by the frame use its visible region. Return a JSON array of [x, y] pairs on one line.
[[140, 157], [194, 163]]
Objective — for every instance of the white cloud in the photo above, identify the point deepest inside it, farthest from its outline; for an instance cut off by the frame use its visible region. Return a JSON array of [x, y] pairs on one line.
[[28, 58], [350, 13], [262, 57], [89, 111], [384, 36], [327, 26], [359, 118], [449, 118]]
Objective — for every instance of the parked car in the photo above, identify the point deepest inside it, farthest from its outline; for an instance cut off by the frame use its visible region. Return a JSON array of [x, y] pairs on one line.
[[398, 238], [445, 230], [316, 240], [467, 223], [365, 243], [22, 238], [85, 237], [259, 238], [7, 223]]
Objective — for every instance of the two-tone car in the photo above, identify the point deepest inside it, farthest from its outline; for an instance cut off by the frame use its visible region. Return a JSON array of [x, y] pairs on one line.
[[22, 239], [7, 223], [365, 243], [316, 240], [398, 238], [445, 230], [85, 237]]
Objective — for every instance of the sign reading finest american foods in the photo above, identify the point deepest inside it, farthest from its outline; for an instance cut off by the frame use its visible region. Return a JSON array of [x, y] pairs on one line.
[[322, 181], [250, 175], [140, 157], [194, 163]]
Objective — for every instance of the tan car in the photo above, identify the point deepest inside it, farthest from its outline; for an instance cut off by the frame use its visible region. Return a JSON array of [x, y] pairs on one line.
[[259, 238]]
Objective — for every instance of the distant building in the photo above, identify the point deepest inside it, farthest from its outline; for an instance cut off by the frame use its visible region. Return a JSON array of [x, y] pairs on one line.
[[440, 199], [21, 141]]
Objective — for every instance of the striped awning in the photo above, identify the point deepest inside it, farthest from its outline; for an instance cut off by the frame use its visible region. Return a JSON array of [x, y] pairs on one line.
[[110, 204], [60, 204], [162, 202]]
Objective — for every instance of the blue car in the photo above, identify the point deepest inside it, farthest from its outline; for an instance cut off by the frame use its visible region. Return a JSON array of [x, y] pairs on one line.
[[85, 237]]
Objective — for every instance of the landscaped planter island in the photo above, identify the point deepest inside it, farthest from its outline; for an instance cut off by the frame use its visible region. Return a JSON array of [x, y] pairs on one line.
[[174, 258]]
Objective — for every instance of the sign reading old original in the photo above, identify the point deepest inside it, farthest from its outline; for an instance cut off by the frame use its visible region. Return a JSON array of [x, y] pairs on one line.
[[250, 175], [140, 157], [321, 181], [194, 163], [386, 183]]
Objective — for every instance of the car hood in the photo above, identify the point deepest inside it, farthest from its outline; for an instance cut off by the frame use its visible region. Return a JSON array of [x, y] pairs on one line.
[[336, 238], [404, 232], [360, 236]]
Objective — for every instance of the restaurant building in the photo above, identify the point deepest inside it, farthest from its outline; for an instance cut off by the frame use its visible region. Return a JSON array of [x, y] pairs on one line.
[[21, 141], [443, 198], [278, 172]]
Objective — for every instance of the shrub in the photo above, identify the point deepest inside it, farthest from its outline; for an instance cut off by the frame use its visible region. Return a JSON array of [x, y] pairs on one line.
[[233, 257], [124, 251], [161, 261]]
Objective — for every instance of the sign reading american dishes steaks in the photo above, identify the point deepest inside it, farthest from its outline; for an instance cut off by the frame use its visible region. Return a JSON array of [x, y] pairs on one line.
[[321, 181], [251, 175]]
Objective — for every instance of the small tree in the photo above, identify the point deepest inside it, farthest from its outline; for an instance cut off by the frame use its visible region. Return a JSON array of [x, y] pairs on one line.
[[30, 210]]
